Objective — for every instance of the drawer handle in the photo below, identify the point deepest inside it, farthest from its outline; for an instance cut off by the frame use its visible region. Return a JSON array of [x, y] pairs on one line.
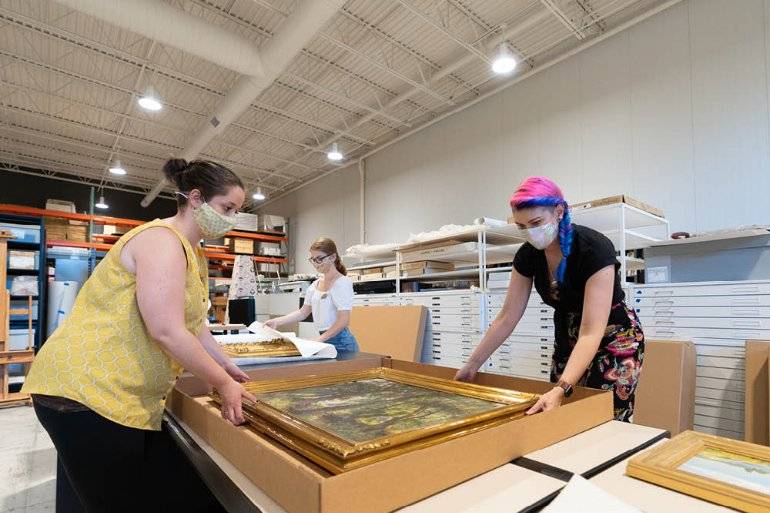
[[745, 311], [663, 293], [661, 322], [663, 312], [744, 289], [747, 324]]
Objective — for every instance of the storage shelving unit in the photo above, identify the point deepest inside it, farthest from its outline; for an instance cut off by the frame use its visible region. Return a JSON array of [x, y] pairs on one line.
[[38, 313]]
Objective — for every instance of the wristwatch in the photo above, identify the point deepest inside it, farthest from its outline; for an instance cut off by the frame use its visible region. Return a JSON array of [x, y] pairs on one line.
[[565, 386]]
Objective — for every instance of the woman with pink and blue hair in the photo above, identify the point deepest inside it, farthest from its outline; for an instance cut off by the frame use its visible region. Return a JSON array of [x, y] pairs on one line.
[[598, 340]]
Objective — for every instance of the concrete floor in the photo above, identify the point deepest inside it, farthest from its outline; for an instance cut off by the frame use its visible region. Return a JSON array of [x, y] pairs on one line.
[[27, 463]]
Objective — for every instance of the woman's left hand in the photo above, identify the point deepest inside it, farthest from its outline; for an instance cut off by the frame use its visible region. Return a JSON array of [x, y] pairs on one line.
[[236, 373], [548, 401]]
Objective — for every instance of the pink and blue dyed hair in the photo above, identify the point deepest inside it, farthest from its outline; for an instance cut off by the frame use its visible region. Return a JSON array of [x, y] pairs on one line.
[[539, 191]]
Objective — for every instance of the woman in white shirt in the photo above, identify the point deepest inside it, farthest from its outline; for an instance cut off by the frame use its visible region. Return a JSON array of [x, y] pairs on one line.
[[329, 298]]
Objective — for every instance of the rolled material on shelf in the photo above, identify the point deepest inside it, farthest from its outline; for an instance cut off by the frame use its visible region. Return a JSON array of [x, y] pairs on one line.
[[61, 298]]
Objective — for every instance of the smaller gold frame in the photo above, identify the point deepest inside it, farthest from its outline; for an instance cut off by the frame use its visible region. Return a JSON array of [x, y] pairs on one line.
[[270, 349], [661, 466]]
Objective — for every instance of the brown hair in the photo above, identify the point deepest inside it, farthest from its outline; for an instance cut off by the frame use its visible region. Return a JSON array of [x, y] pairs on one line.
[[210, 178], [328, 246]]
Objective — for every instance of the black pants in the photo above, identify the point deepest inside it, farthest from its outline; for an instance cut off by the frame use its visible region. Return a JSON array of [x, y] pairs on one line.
[[114, 468]]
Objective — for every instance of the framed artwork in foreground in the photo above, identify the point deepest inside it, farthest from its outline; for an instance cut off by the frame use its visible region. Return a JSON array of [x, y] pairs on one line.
[[346, 421], [720, 470]]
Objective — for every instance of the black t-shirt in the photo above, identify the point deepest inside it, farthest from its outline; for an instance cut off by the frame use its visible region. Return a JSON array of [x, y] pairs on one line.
[[591, 251]]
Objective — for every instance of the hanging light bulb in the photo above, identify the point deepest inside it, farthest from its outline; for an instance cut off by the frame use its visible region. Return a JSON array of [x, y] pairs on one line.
[[258, 194], [504, 62], [334, 153], [149, 100], [117, 169], [101, 204]]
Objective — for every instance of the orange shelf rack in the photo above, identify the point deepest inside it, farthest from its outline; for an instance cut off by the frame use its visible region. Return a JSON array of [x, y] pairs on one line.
[[8, 208]]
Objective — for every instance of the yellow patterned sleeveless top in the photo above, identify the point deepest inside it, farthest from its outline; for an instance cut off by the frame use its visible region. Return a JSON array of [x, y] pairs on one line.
[[102, 355]]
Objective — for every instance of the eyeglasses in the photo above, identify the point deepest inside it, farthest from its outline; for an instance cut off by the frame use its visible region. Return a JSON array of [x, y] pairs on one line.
[[318, 259]]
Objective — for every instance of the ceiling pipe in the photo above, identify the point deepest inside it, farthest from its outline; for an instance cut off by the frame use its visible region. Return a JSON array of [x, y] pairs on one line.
[[297, 31], [171, 26]]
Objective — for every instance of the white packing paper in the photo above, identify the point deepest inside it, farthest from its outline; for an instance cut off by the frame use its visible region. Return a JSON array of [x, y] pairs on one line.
[[308, 349], [582, 495]]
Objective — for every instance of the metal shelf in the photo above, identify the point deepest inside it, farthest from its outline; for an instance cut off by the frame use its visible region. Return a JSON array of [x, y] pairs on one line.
[[633, 239], [607, 217]]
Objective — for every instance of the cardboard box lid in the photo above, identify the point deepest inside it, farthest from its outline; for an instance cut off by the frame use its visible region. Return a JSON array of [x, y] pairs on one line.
[[665, 395], [395, 331], [757, 398]]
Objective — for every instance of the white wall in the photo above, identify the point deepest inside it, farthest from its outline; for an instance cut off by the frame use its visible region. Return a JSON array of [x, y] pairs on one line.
[[327, 208], [673, 111]]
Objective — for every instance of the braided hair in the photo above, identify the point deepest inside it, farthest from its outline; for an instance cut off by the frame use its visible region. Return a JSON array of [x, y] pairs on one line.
[[539, 191]]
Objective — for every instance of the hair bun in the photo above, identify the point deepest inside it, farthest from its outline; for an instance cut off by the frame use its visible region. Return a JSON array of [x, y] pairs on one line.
[[173, 169]]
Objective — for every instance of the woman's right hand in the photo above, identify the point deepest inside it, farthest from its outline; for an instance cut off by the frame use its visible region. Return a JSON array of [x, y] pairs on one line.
[[272, 323], [232, 394], [467, 373]]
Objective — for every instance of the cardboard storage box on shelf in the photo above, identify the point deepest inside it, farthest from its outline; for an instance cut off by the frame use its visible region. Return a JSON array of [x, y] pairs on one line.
[[421, 267], [370, 277], [60, 205], [247, 222], [268, 248], [271, 223], [77, 231], [622, 198], [64, 229], [371, 270], [27, 260], [757, 394], [240, 246], [300, 486], [665, 397]]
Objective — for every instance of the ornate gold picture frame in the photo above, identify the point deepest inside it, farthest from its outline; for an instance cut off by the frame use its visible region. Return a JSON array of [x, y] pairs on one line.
[[272, 349], [346, 421], [720, 470]]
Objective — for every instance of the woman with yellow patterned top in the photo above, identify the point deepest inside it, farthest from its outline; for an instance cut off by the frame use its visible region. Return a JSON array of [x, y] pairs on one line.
[[100, 382]]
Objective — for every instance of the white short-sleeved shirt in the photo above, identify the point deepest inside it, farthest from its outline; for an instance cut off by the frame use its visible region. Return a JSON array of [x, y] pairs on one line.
[[326, 304]]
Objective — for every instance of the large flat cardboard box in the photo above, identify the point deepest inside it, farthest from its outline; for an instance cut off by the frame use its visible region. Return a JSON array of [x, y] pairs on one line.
[[299, 486], [757, 398], [621, 198], [395, 331], [665, 396]]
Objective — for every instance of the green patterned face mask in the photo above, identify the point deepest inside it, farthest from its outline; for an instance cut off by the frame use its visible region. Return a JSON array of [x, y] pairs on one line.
[[212, 224]]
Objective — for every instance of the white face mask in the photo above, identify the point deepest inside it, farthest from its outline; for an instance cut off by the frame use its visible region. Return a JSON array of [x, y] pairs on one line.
[[541, 236]]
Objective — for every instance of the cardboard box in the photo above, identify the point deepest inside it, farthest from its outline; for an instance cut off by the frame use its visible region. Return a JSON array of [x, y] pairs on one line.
[[665, 396], [77, 231], [622, 198], [299, 486], [246, 222], [240, 246], [395, 331], [28, 260], [370, 277], [371, 270], [55, 229], [757, 398], [422, 266]]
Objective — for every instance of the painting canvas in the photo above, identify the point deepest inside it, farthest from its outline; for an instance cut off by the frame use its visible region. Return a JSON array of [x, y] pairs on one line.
[[721, 470], [373, 408], [349, 420], [733, 469]]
